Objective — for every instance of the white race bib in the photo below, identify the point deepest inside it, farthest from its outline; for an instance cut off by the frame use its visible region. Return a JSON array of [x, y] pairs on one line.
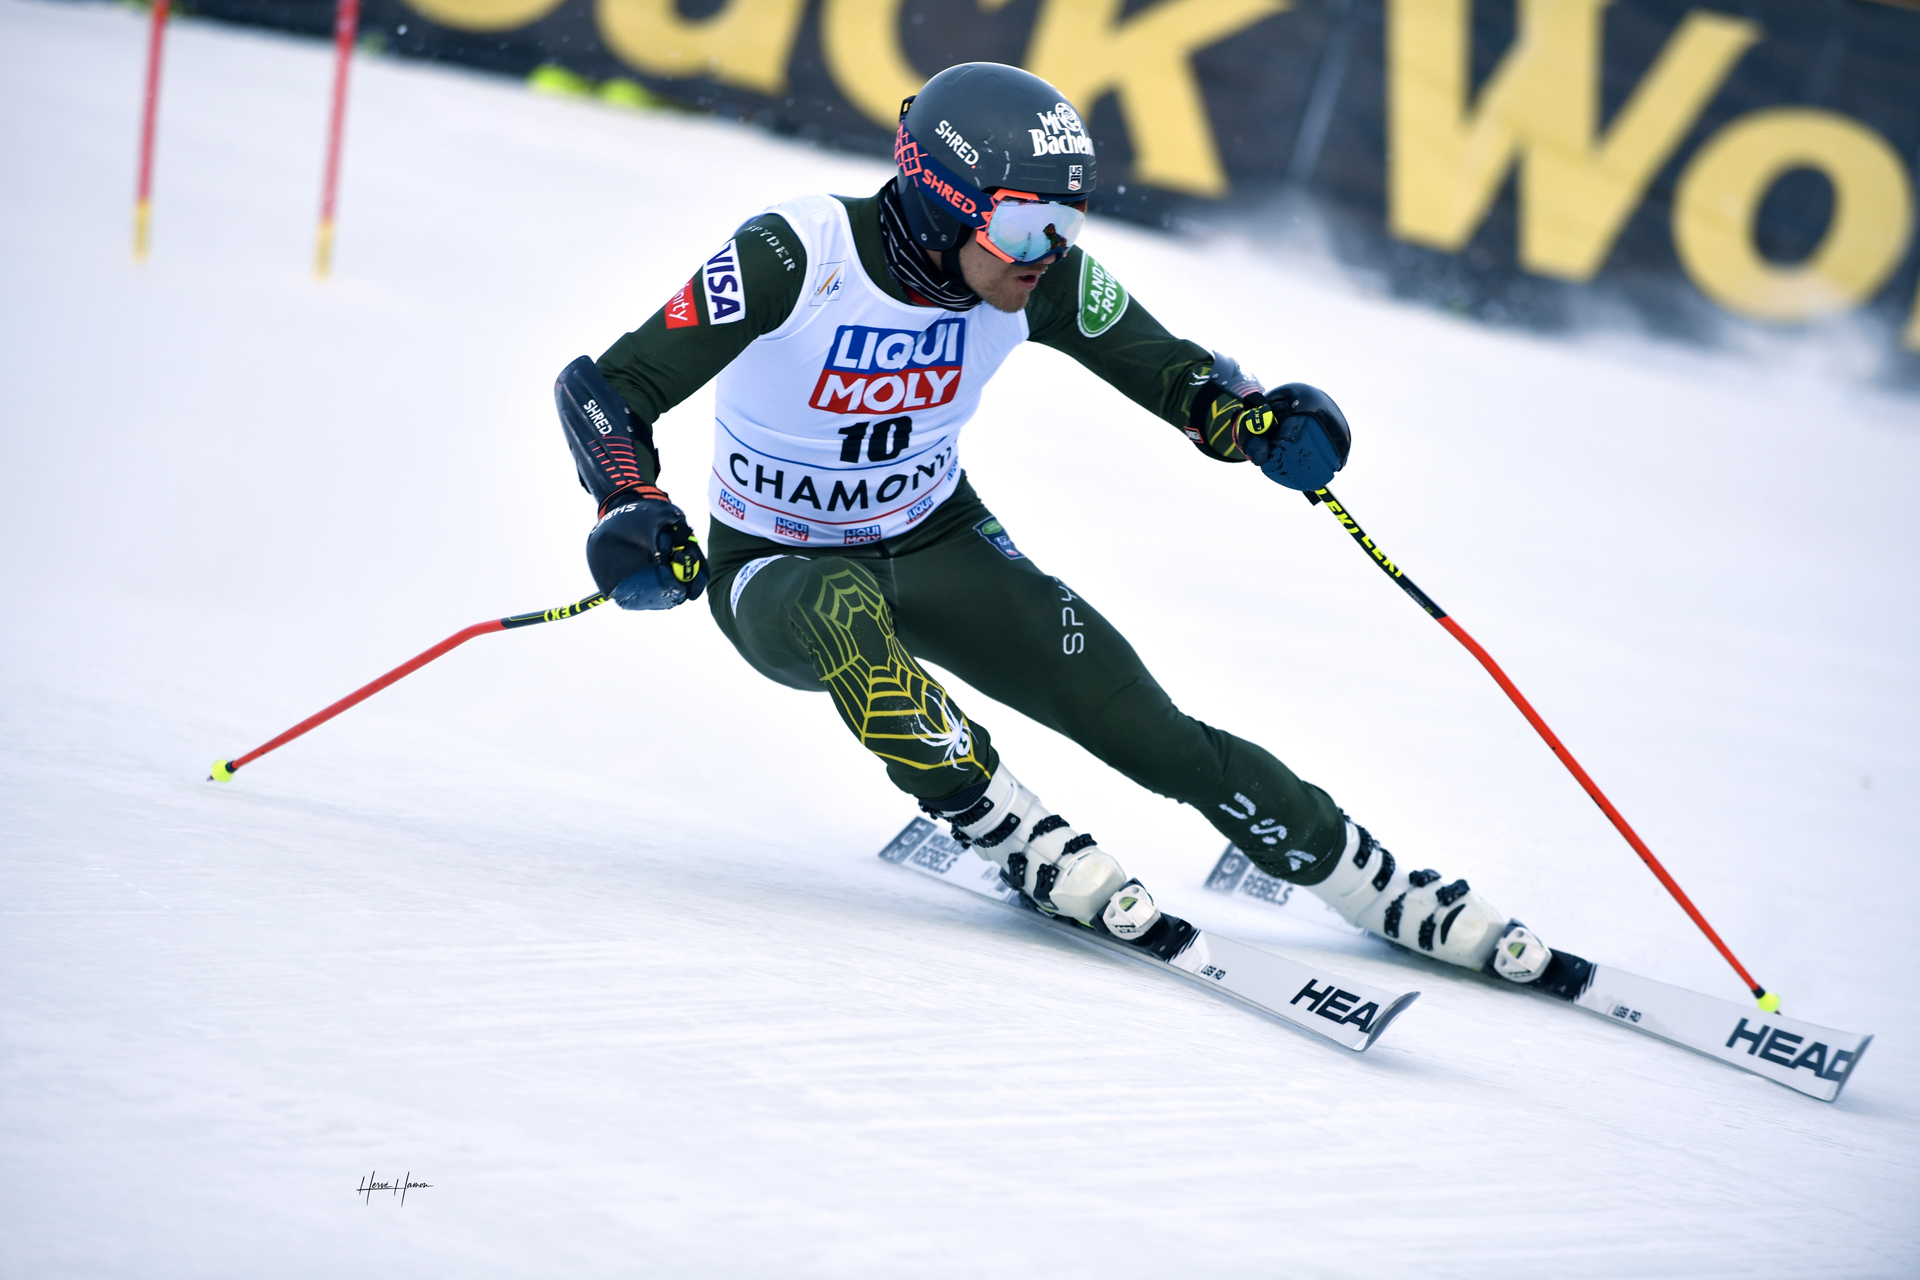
[[842, 426]]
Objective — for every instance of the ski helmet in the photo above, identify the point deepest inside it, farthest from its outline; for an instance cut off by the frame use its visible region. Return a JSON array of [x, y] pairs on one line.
[[980, 128]]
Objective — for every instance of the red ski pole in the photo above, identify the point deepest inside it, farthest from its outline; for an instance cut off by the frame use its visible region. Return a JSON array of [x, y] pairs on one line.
[[143, 195], [346, 24], [1767, 1000], [223, 770]]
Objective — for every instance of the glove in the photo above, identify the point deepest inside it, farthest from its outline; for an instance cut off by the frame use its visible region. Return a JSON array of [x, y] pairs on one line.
[[643, 552], [1296, 434]]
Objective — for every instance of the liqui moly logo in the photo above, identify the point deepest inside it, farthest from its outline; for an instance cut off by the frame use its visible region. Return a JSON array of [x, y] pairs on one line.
[[883, 370]]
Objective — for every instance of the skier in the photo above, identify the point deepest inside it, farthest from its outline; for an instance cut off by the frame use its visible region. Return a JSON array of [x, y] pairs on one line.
[[852, 338]]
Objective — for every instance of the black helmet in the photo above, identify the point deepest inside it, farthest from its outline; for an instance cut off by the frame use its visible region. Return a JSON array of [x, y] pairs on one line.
[[982, 127]]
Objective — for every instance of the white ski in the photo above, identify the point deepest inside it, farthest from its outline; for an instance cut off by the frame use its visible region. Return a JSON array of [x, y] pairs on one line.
[[1806, 1058], [1339, 1009]]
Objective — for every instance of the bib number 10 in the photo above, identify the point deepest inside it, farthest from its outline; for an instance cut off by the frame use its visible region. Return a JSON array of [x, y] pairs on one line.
[[887, 441]]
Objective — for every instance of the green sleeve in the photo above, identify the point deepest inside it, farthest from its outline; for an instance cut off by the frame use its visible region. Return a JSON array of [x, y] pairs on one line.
[[680, 347], [1081, 309]]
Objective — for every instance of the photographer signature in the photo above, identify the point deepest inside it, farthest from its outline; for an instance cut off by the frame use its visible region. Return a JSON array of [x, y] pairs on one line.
[[372, 1183]]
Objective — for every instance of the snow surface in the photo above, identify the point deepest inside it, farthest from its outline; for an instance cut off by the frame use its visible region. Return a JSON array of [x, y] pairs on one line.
[[582, 925]]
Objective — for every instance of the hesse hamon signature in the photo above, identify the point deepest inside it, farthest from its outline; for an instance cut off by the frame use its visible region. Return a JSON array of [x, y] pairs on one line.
[[372, 1183]]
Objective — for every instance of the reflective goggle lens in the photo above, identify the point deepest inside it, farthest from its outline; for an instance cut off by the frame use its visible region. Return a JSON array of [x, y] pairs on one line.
[[1029, 230]]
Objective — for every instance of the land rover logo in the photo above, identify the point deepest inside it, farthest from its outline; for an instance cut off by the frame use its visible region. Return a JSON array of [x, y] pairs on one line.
[[1103, 300]]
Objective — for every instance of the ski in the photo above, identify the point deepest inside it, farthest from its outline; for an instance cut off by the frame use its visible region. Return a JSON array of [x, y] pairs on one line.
[[1351, 1014], [1809, 1059]]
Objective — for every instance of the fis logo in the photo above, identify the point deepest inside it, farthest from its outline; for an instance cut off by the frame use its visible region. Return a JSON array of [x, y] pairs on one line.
[[797, 530], [880, 370], [726, 295], [833, 278], [682, 312], [732, 505], [1060, 133]]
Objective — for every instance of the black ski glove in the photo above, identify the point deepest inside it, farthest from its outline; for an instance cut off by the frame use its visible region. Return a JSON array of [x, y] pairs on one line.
[[644, 553], [1296, 435]]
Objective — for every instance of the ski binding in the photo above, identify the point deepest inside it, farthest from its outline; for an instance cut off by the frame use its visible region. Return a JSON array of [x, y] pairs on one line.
[[1806, 1058], [1349, 1013]]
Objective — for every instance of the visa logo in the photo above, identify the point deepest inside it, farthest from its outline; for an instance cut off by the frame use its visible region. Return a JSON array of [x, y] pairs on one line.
[[726, 295]]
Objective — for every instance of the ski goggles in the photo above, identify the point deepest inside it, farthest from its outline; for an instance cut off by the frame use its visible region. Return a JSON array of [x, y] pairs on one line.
[[1014, 226], [1021, 227]]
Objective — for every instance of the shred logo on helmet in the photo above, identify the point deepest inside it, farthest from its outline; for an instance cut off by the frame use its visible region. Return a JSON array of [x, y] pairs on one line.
[[981, 128], [726, 293], [962, 198], [968, 153], [871, 370]]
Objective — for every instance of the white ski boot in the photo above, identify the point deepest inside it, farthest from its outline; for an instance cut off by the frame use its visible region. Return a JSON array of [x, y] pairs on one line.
[[1414, 909], [1062, 871]]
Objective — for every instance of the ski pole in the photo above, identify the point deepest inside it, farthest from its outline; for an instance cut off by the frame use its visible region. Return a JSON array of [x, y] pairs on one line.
[[223, 770], [1767, 1001]]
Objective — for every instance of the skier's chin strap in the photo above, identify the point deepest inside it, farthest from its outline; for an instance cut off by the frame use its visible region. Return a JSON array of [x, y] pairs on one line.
[[943, 287]]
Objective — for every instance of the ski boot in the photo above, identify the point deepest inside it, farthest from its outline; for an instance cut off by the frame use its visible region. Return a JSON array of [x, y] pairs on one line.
[[1413, 909], [1062, 872]]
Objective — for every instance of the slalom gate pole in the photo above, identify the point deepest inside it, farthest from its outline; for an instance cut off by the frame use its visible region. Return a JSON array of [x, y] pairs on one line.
[[346, 24], [143, 193], [1767, 1001], [223, 770]]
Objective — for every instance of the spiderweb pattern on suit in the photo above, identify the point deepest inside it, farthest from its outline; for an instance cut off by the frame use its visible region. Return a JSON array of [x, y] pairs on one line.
[[898, 711]]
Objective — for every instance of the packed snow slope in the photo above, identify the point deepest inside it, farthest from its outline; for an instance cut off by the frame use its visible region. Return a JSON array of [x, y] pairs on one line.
[[582, 924]]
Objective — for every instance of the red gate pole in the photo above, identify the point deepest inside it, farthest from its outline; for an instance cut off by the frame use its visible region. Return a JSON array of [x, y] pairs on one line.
[[346, 24], [143, 195]]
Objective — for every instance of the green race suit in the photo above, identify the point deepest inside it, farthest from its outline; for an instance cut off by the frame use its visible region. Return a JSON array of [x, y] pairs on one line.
[[955, 591]]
